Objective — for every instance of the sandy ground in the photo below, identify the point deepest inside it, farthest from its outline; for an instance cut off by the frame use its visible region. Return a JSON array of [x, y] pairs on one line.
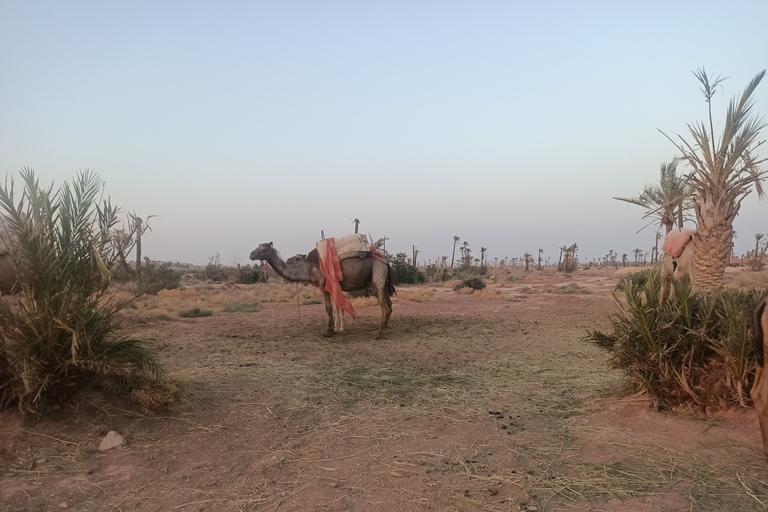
[[470, 402]]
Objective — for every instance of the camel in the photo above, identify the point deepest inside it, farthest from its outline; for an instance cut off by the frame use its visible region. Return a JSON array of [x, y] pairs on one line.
[[674, 269], [338, 313], [359, 274], [760, 387]]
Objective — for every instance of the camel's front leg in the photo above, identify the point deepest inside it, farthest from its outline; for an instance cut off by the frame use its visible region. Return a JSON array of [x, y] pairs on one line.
[[329, 310]]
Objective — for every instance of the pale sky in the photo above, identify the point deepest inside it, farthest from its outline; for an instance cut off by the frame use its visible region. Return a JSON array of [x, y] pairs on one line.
[[509, 124]]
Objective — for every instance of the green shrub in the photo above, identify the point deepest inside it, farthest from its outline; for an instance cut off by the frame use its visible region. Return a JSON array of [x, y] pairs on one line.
[[247, 274], [214, 271], [467, 271], [403, 272], [637, 279], [61, 333], [155, 278], [241, 307], [473, 282], [195, 313], [695, 349]]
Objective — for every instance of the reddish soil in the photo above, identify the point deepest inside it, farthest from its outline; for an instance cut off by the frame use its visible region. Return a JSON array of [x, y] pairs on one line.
[[469, 403]]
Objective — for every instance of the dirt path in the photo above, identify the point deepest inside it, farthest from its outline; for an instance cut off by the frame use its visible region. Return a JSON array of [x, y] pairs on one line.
[[469, 403]]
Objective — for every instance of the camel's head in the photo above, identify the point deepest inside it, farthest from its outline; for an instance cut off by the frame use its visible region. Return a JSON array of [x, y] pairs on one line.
[[262, 252]]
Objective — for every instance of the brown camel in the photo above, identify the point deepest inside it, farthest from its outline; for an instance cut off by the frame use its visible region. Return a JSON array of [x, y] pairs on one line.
[[673, 270], [359, 274], [760, 387], [338, 313]]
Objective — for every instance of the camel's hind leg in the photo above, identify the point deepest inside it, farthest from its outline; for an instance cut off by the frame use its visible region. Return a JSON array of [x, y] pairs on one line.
[[379, 282]]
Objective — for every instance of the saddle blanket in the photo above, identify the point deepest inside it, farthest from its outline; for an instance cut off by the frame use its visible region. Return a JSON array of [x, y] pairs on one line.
[[676, 240], [352, 246]]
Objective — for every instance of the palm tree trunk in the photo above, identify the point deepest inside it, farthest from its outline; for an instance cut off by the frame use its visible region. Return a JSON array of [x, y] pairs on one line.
[[712, 244]]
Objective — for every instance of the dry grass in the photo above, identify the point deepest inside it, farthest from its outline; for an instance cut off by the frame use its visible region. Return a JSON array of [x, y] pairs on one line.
[[420, 294]]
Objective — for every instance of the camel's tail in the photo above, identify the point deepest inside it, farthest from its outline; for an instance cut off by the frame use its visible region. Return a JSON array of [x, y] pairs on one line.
[[758, 340], [389, 284]]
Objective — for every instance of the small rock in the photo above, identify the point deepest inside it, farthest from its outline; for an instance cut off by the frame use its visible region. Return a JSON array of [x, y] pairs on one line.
[[112, 440], [532, 508], [63, 505]]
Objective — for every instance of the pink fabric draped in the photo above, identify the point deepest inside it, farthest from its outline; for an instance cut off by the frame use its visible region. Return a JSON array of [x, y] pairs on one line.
[[331, 268], [676, 240]]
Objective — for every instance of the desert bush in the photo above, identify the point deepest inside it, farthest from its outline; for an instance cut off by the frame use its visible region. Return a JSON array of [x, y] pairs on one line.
[[466, 271], [695, 349], [60, 334], [569, 289], [158, 277], [403, 272], [195, 313], [636, 279], [247, 274], [475, 283], [241, 307], [151, 395], [214, 271], [435, 274]]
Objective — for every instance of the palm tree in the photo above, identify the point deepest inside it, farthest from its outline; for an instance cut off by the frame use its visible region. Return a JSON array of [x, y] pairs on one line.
[[541, 251], [637, 252], [723, 174], [482, 256], [666, 200], [755, 263], [560, 261], [527, 257], [453, 254], [356, 222]]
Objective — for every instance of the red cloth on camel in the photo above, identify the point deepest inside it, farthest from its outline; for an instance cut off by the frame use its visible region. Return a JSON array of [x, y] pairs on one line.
[[331, 268]]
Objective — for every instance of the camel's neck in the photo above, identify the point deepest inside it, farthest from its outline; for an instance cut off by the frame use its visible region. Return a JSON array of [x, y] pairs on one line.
[[294, 273]]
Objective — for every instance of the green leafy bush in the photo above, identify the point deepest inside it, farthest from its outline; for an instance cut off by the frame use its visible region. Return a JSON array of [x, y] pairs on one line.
[[466, 271], [473, 282], [195, 313], [60, 335], [247, 274], [155, 278], [695, 349], [403, 272], [241, 307]]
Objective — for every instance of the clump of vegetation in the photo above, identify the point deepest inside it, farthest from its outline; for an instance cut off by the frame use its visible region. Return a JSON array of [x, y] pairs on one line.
[[571, 288], [154, 278], [151, 395], [247, 274], [309, 302], [637, 280], [436, 274], [241, 307], [195, 313], [473, 282], [468, 271], [214, 271], [695, 349], [60, 335], [403, 272]]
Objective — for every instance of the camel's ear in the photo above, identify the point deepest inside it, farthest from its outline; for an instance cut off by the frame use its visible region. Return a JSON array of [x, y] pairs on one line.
[[271, 246]]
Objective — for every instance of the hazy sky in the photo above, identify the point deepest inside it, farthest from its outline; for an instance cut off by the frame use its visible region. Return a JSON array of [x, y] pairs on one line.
[[508, 124]]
